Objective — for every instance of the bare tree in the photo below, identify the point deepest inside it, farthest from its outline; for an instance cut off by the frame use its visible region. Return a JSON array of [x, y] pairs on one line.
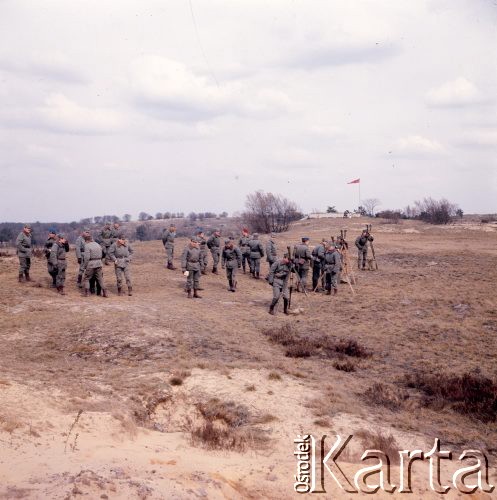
[[266, 212], [126, 217], [435, 211], [370, 205]]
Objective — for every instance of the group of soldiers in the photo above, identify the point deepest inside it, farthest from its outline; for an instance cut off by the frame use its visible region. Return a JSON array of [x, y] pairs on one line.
[[325, 260], [92, 256]]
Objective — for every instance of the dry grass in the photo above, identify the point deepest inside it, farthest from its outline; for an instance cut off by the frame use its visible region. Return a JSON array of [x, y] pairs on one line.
[[470, 393], [382, 395], [380, 441]]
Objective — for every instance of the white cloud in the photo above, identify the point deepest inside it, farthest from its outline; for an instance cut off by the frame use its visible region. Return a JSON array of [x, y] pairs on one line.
[[417, 145], [481, 138], [64, 115], [456, 93], [170, 90]]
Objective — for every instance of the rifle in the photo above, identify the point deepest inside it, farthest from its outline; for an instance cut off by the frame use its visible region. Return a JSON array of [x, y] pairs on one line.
[[291, 276]]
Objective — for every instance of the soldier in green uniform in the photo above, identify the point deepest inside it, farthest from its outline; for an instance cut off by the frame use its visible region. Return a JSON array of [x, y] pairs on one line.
[[24, 252], [57, 259], [214, 245], [79, 246], [190, 265], [115, 231], [168, 236], [52, 236], [332, 266], [256, 253], [278, 279], [231, 260], [302, 258], [106, 241], [361, 243], [243, 244], [120, 253], [317, 263], [204, 258], [271, 250], [92, 264]]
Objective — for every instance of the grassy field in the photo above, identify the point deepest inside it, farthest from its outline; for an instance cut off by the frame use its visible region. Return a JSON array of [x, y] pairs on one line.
[[158, 396]]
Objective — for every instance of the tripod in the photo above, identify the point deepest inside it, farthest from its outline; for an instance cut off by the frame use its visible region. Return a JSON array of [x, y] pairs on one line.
[[374, 264]]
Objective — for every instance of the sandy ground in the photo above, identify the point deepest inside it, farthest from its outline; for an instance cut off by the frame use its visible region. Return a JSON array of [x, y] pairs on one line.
[[100, 398]]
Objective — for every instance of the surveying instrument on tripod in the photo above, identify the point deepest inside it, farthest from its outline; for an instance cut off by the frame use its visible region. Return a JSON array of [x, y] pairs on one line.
[[372, 264], [343, 247]]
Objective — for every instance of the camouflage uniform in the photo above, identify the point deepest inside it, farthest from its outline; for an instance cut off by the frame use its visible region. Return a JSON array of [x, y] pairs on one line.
[[204, 258], [57, 259], [278, 279], [214, 245], [93, 266], [256, 253], [243, 244], [332, 266], [190, 261], [24, 252], [106, 241], [271, 251], [231, 260], [168, 236], [361, 243], [317, 263], [121, 254], [302, 258], [114, 233], [79, 246], [48, 247]]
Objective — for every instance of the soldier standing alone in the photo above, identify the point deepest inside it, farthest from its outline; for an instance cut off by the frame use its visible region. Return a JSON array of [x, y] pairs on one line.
[[214, 245], [120, 253], [190, 265], [231, 260], [93, 265], [57, 258], [278, 279], [361, 243], [23, 249], [48, 247], [168, 236]]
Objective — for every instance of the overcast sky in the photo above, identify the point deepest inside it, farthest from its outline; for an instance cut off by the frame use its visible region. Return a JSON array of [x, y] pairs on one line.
[[113, 107]]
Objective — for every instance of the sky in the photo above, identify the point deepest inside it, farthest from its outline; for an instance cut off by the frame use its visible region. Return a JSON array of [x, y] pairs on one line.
[[114, 107]]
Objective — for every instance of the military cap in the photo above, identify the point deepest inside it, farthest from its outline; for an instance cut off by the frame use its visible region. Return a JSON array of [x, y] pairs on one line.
[[52, 231], [194, 239], [255, 235], [217, 230], [227, 240], [305, 238], [61, 236], [27, 226], [86, 230], [121, 236]]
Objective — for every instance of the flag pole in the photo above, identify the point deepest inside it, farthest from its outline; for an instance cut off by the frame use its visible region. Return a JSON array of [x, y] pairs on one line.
[[359, 184]]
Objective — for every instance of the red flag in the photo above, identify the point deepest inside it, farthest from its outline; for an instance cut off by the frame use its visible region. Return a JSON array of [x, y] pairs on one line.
[[355, 181]]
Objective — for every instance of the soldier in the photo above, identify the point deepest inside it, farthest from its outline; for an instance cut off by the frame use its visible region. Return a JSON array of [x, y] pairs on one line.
[[204, 258], [317, 263], [278, 279], [168, 236], [302, 258], [23, 250], [190, 265], [332, 267], [214, 245], [243, 244], [106, 241], [115, 231], [231, 261], [120, 253], [271, 251], [48, 246], [256, 253], [361, 243], [92, 264], [57, 259], [79, 246]]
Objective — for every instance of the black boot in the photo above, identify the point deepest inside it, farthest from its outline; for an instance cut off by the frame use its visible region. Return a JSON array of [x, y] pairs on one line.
[[86, 293], [189, 293], [26, 273], [271, 307], [80, 280], [119, 290], [196, 295], [21, 276], [104, 293], [130, 291], [285, 306], [214, 270]]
